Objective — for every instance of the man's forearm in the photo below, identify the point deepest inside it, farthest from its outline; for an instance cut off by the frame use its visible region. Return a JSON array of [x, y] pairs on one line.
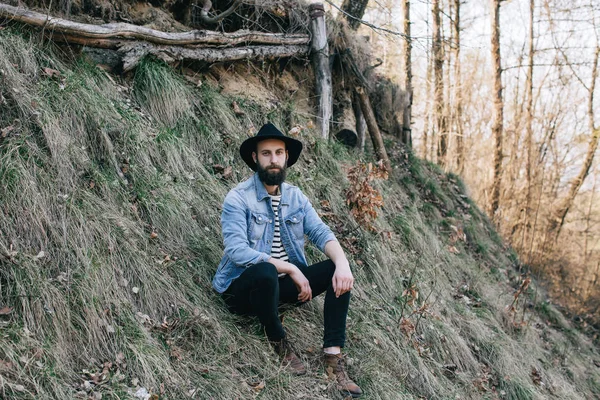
[[334, 251], [283, 267]]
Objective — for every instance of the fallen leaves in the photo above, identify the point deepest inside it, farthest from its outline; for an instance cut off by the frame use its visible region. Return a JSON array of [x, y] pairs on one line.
[[407, 327], [411, 294], [536, 376], [223, 172], [55, 75]]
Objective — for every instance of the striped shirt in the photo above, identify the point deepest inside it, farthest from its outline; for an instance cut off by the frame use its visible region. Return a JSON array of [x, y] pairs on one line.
[[277, 250]]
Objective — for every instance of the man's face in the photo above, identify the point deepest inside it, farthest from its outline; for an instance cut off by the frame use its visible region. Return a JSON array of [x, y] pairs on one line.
[[271, 161]]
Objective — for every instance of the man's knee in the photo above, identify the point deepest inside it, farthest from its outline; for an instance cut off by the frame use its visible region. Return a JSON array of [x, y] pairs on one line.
[[265, 274], [330, 267]]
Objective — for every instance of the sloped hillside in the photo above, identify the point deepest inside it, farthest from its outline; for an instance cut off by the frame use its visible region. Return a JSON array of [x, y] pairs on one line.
[[110, 195]]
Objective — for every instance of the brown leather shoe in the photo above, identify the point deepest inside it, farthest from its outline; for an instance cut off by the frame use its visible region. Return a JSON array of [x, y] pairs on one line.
[[288, 357], [334, 365]]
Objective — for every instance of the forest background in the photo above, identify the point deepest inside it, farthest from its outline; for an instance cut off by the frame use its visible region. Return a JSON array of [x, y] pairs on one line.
[[531, 103]]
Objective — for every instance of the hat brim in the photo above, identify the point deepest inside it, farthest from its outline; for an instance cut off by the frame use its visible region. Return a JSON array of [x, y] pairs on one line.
[[293, 147]]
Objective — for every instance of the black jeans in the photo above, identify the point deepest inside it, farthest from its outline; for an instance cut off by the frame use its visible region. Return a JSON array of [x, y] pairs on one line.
[[259, 291]]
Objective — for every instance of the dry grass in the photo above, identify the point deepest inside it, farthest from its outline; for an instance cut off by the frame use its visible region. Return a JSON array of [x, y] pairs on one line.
[[121, 297]]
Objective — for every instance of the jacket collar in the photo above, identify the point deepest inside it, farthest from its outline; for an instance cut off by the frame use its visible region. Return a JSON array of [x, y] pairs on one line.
[[261, 192]]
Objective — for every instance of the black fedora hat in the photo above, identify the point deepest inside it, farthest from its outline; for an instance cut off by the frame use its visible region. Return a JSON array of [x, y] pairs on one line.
[[269, 131]]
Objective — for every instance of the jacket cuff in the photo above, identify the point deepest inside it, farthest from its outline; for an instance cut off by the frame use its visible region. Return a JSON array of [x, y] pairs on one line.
[[328, 238]]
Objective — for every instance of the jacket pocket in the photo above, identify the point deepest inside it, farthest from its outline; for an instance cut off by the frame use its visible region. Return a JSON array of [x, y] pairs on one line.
[[258, 224], [295, 224]]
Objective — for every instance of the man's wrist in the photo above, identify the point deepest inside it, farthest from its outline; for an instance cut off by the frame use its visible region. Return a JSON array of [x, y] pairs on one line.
[[342, 264]]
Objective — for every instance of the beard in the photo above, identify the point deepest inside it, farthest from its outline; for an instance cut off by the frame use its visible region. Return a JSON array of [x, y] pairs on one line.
[[271, 176]]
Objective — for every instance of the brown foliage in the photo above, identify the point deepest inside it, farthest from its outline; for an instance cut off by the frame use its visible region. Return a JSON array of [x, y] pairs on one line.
[[364, 200]]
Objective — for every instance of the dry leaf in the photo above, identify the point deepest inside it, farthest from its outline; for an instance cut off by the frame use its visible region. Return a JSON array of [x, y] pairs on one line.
[[236, 108], [228, 172], [50, 72], [18, 388], [6, 310], [295, 131], [5, 131], [153, 235], [453, 250], [257, 387]]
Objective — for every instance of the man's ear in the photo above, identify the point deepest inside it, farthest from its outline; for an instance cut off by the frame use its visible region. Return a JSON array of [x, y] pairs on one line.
[[254, 156]]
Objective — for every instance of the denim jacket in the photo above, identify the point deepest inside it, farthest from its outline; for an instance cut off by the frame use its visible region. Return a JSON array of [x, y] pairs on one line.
[[248, 224]]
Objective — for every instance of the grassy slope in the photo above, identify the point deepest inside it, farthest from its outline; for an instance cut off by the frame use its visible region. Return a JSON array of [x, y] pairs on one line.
[[108, 308]]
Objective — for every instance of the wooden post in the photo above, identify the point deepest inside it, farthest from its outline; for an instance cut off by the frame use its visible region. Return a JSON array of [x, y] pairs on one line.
[[361, 124], [320, 55], [365, 106]]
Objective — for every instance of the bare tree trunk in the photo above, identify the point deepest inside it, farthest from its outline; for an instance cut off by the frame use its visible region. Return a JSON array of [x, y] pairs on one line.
[[354, 11], [448, 110], [376, 138], [585, 293], [407, 114], [438, 74], [427, 110], [497, 124], [529, 124], [558, 218], [460, 147], [320, 54]]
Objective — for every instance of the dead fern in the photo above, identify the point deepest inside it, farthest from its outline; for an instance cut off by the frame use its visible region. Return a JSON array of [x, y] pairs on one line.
[[362, 198]]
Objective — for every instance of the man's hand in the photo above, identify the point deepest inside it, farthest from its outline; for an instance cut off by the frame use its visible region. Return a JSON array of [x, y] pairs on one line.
[[343, 280], [302, 285]]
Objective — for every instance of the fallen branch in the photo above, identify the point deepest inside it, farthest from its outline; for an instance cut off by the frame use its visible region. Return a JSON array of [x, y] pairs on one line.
[[378, 146], [133, 53], [134, 32]]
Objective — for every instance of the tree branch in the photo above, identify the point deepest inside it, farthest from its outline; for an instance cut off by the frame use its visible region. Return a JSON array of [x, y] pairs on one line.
[[133, 32]]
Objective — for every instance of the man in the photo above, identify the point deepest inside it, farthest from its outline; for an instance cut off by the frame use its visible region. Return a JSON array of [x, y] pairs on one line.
[[264, 221]]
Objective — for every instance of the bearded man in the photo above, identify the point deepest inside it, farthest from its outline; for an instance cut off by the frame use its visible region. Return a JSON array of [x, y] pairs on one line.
[[264, 222]]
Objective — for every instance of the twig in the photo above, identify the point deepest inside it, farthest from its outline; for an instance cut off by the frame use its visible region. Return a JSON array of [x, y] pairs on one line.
[[207, 4], [374, 27]]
